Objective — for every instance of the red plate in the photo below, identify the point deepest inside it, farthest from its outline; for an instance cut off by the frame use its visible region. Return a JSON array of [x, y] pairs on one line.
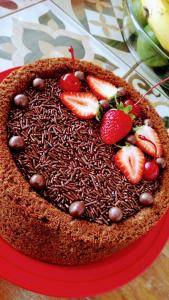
[[91, 279]]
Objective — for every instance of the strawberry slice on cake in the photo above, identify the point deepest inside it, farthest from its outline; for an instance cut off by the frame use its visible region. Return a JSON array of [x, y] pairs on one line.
[[83, 105]]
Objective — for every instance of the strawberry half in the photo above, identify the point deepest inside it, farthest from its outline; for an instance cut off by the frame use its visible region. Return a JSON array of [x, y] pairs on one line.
[[115, 125], [83, 105], [101, 88], [130, 161], [153, 146]]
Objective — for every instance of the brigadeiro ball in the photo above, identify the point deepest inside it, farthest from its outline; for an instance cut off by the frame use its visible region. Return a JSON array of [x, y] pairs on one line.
[[115, 214], [161, 162], [121, 91], [38, 83], [16, 142], [104, 103], [79, 75], [37, 181], [21, 101], [146, 199], [131, 139], [76, 209]]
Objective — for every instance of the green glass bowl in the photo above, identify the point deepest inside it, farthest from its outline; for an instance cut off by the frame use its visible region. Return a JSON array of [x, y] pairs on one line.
[[143, 43]]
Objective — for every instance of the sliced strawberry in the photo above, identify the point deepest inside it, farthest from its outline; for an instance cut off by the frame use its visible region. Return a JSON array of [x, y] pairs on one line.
[[101, 88], [148, 141], [83, 105], [115, 125], [130, 160]]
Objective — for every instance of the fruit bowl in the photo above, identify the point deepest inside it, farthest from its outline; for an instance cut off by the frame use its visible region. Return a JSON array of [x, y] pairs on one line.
[[143, 37]]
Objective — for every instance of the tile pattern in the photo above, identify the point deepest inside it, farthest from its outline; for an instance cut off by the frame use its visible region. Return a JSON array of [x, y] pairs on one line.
[[103, 19], [8, 6], [47, 32]]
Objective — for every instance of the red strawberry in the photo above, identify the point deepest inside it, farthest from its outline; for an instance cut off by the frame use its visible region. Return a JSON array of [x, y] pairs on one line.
[[83, 105], [130, 160], [101, 88], [136, 110], [148, 141], [115, 125]]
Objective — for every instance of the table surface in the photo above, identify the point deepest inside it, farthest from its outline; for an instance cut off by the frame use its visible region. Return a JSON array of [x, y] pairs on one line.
[[152, 285], [34, 29]]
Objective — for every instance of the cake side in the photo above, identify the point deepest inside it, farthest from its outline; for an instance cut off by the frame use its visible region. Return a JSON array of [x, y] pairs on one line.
[[51, 231]]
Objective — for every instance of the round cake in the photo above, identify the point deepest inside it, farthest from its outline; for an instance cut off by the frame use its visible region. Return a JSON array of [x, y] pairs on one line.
[[84, 162]]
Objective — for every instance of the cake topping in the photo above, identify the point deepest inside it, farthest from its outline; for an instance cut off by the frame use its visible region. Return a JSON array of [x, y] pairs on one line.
[[83, 105], [115, 214], [39, 83], [146, 199], [130, 160], [37, 181], [105, 103], [151, 170], [161, 162], [21, 101], [69, 153], [136, 110], [147, 140], [131, 139], [101, 88], [112, 128], [148, 122], [69, 82], [121, 92], [77, 208], [16, 143], [80, 75]]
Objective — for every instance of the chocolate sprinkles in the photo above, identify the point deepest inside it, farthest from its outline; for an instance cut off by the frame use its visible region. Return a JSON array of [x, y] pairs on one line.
[[69, 153]]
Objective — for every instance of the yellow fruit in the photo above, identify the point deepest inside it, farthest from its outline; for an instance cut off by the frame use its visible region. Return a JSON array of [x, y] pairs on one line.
[[158, 19]]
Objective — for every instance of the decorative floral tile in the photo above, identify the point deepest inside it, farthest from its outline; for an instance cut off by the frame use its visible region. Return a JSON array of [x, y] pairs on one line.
[[8, 6], [118, 8], [103, 25], [45, 31], [35, 41], [101, 6], [157, 97], [109, 16]]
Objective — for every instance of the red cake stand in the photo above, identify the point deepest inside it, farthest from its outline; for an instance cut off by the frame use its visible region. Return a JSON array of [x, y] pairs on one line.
[[87, 280]]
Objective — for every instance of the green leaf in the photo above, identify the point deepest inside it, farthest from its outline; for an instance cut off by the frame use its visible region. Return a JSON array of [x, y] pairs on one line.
[[99, 113], [133, 117], [126, 109]]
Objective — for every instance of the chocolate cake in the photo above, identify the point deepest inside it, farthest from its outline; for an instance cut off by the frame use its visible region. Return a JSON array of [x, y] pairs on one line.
[[65, 195]]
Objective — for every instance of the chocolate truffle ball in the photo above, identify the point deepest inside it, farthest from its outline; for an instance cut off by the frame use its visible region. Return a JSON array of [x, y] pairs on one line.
[[21, 101], [37, 181], [131, 139], [104, 103], [115, 214], [39, 83], [121, 92], [161, 162], [16, 142], [76, 209], [146, 199], [79, 75]]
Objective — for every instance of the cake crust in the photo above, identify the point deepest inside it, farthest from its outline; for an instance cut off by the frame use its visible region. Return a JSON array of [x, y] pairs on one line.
[[38, 229]]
